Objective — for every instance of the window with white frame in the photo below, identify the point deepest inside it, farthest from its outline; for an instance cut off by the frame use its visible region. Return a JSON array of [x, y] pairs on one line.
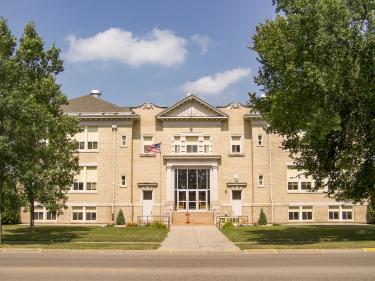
[[83, 214], [298, 182], [88, 139], [340, 213], [86, 180], [259, 140], [42, 214], [147, 141], [300, 213], [192, 144], [177, 144], [260, 180], [123, 141], [123, 181], [235, 144]]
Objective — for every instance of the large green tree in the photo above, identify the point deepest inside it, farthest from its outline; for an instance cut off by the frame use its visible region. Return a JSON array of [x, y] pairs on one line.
[[318, 75], [39, 135]]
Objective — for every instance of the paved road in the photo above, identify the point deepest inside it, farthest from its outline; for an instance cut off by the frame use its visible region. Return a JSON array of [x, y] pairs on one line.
[[78, 266]]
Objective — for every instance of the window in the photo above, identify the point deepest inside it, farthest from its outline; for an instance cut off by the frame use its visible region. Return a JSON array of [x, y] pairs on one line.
[[123, 141], [147, 140], [260, 140], [235, 144], [293, 185], [147, 195], [236, 194], [293, 213], [77, 213], [86, 180], [307, 213], [206, 144], [300, 213], [123, 181], [260, 180], [192, 144], [305, 185], [92, 145], [78, 186], [334, 212], [38, 213], [298, 181], [80, 145], [88, 138], [84, 214], [91, 213], [347, 212], [42, 214]]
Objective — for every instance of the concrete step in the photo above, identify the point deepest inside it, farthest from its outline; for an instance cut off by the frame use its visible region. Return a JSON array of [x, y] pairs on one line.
[[195, 218]]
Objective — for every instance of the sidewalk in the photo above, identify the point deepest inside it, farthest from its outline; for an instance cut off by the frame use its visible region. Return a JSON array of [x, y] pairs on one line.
[[196, 239]]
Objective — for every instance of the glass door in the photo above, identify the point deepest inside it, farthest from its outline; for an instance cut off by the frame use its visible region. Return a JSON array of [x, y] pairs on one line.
[[192, 190]]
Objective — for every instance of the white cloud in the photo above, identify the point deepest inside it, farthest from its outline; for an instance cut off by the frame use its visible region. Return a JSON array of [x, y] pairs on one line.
[[202, 41], [212, 85], [161, 47]]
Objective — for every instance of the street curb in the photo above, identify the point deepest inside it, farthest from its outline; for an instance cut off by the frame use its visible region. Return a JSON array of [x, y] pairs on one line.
[[247, 251]]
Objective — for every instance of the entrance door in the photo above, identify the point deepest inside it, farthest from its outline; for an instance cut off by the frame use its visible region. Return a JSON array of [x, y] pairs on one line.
[[237, 202], [147, 202], [192, 190]]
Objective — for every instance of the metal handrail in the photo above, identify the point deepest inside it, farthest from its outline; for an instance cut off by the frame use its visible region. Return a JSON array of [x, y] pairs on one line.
[[147, 220]]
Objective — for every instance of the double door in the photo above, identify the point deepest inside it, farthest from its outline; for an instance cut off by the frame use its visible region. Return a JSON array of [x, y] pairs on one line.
[[193, 200]]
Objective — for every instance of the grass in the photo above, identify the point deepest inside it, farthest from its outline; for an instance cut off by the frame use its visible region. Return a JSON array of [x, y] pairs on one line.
[[303, 236], [83, 237]]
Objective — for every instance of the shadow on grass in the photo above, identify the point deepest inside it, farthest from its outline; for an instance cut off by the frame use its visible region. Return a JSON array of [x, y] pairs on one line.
[[44, 234], [303, 235]]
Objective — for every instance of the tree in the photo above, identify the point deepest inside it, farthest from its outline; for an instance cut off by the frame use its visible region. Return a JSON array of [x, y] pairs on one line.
[[37, 137], [318, 75], [262, 218], [120, 220]]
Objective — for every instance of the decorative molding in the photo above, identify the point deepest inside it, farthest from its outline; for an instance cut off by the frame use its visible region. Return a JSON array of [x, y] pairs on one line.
[[235, 106], [236, 185], [148, 106], [147, 185]]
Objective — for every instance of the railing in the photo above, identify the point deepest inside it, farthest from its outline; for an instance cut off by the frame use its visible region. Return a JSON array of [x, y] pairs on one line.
[[147, 220], [236, 220]]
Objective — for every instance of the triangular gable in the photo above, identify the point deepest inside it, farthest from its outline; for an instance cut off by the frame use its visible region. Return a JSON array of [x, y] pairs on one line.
[[191, 107]]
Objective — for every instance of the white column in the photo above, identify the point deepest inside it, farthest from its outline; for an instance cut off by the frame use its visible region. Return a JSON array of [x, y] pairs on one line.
[[214, 187], [169, 184]]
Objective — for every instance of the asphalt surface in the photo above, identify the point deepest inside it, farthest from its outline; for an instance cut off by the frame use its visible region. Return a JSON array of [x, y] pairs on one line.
[[109, 266]]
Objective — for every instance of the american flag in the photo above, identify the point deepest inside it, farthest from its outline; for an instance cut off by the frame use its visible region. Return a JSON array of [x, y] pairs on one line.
[[153, 148]]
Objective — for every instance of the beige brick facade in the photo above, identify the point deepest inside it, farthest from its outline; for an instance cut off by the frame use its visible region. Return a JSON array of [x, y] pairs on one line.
[[197, 138]]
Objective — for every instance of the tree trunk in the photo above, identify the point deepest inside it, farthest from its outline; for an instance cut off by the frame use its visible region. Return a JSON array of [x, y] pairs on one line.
[[32, 228], [1, 212]]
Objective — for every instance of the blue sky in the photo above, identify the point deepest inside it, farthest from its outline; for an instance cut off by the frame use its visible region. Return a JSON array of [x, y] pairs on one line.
[[149, 51]]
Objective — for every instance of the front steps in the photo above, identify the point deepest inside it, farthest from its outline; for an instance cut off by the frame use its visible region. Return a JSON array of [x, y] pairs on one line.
[[195, 218]]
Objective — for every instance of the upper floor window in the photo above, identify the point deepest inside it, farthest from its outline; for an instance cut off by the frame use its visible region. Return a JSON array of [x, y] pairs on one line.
[[123, 181], [236, 144], [88, 138], [260, 180], [298, 181], [123, 141], [86, 180], [191, 144], [260, 140], [147, 140]]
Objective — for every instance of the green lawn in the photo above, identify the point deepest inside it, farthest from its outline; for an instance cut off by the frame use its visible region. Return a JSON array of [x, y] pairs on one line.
[[303, 236], [83, 237]]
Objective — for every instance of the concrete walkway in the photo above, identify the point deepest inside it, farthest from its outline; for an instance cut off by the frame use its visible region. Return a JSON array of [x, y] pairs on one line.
[[196, 239]]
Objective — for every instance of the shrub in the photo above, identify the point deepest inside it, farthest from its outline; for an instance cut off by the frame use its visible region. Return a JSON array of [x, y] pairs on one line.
[[262, 218], [11, 217], [158, 224], [131, 224], [120, 220], [228, 225]]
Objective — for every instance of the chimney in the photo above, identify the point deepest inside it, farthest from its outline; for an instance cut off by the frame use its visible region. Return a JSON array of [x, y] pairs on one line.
[[96, 93]]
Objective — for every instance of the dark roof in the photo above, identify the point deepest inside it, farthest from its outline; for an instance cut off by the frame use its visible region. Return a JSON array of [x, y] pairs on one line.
[[90, 103]]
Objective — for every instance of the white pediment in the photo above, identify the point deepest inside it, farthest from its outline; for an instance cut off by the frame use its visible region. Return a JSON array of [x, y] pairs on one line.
[[192, 108]]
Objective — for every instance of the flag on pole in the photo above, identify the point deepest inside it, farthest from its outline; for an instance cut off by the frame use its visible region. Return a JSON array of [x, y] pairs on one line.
[[153, 148]]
